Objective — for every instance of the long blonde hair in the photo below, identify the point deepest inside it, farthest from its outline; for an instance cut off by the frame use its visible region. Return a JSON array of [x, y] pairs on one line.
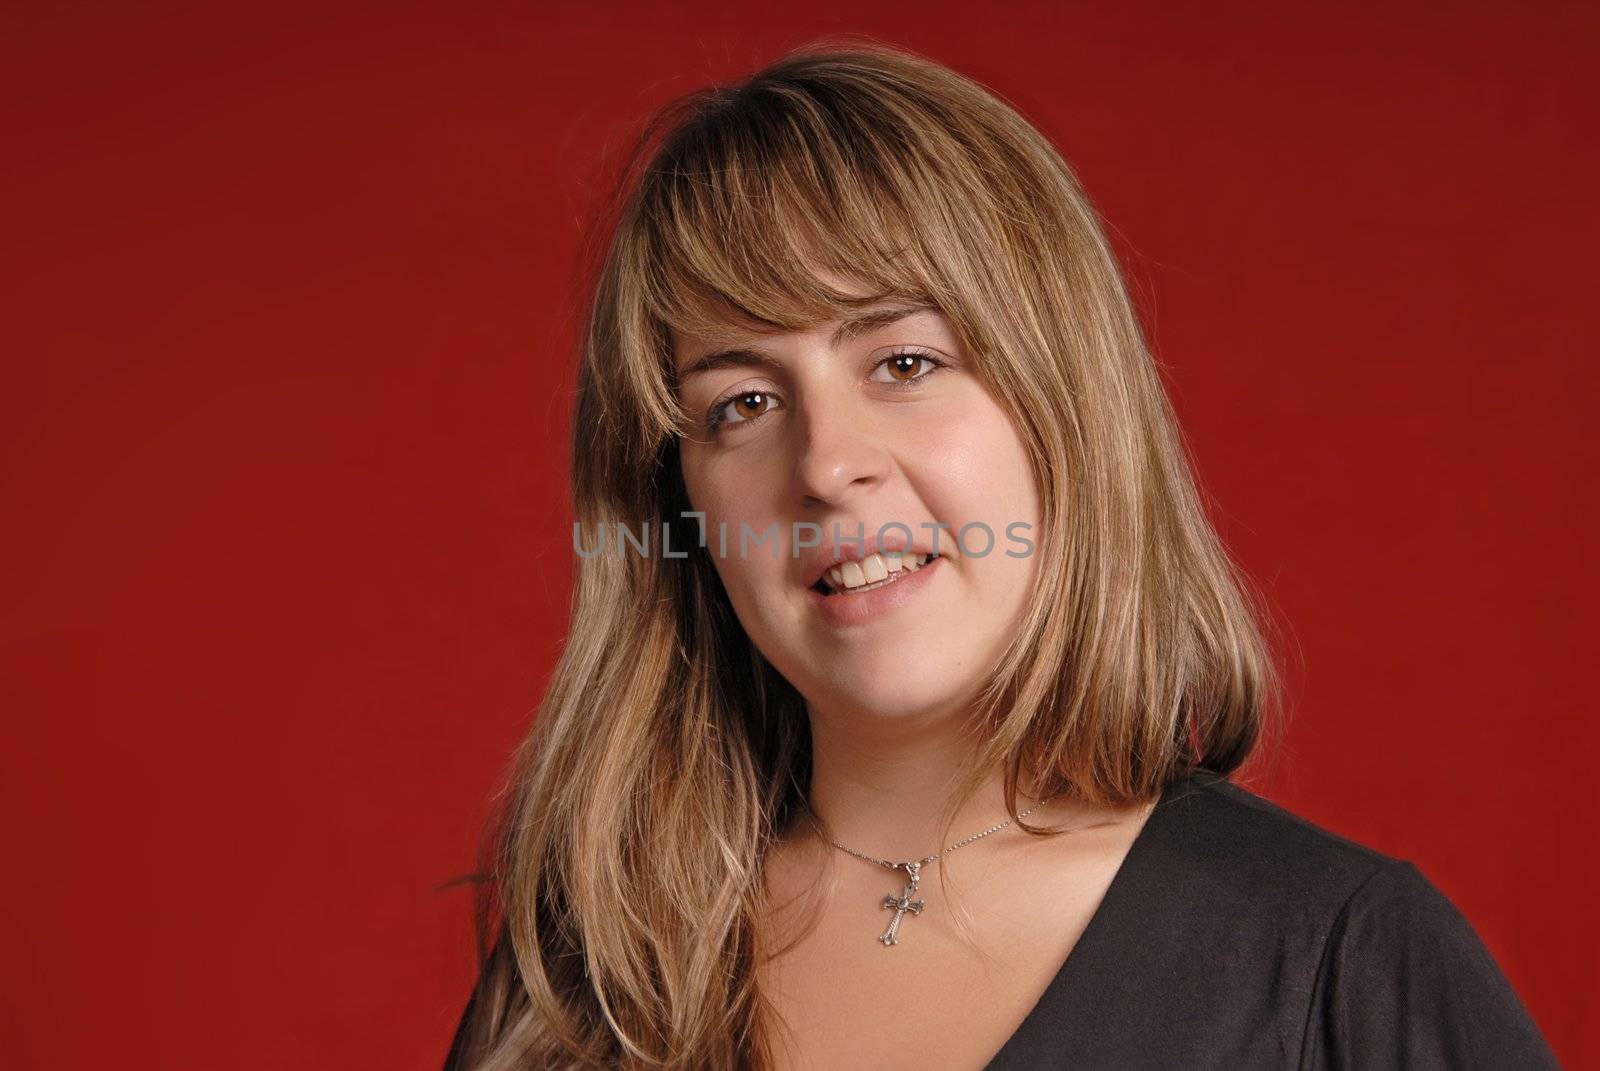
[[622, 876]]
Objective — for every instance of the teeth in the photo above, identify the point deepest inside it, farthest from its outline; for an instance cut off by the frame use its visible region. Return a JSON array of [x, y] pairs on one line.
[[872, 569]]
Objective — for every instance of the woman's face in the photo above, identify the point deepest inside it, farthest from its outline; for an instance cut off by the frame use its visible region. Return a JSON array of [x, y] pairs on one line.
[[857, 429]]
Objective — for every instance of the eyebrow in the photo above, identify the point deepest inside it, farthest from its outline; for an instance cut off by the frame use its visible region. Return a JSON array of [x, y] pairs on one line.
[[851, 328]]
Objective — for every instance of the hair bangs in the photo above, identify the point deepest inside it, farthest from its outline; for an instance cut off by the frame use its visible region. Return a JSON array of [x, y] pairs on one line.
[[750, 218]]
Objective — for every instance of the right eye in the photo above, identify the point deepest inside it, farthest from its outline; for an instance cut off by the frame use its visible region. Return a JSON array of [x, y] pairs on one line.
[[750, 405]]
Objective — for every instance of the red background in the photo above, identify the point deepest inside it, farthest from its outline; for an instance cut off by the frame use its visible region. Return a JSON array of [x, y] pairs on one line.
[[284, 421]]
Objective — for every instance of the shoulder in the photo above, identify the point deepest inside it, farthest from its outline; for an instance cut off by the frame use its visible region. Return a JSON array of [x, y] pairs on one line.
[[1242, 845], [1388, 971], [1238, 893]]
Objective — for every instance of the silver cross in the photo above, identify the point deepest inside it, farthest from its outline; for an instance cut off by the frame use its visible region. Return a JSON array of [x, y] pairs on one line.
[[901, 904]]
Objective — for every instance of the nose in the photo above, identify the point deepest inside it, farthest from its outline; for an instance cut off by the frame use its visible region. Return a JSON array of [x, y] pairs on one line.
[[841, 453]]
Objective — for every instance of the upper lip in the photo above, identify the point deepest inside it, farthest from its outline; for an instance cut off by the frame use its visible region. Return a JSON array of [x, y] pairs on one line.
[[822, 558]]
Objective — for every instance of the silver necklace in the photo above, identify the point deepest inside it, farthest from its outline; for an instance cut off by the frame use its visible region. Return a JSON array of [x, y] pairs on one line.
[[905, 901]]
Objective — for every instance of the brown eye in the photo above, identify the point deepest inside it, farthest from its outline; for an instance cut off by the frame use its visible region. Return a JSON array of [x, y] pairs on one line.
[[904, 366], [746, 406], [907, 369]]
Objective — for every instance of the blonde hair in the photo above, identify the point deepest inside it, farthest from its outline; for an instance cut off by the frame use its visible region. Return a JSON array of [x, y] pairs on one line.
[[622, 878]]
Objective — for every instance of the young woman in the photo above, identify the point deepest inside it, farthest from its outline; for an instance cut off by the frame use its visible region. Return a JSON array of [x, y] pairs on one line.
[[898, 734]]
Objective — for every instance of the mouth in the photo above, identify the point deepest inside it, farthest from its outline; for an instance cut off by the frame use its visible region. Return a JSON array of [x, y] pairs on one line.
[[870, 573]]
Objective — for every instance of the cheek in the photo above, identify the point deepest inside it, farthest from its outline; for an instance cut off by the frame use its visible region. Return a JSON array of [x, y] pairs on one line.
[[976, 469], [719, 489], [730, 496], [979, 471]]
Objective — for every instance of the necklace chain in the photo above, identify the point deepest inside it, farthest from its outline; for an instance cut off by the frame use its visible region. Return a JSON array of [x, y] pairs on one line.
[[958, 844]]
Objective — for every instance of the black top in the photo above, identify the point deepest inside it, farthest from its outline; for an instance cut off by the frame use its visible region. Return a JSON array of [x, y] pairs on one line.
[[1238, 935]]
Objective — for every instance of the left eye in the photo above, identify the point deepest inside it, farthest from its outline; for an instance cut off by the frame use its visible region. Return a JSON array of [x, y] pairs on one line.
[[901, 367]]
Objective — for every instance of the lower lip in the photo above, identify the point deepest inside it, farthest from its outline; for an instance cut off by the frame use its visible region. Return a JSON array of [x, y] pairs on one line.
[[843, 611]]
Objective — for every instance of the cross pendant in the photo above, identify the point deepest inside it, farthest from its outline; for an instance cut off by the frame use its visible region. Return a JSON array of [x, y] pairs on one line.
[[901, 904]]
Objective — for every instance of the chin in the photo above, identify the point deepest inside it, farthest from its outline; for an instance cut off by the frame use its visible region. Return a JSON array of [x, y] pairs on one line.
[[890, 698]]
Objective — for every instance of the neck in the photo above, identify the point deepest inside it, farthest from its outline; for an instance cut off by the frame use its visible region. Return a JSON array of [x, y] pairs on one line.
[[881, 784]]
